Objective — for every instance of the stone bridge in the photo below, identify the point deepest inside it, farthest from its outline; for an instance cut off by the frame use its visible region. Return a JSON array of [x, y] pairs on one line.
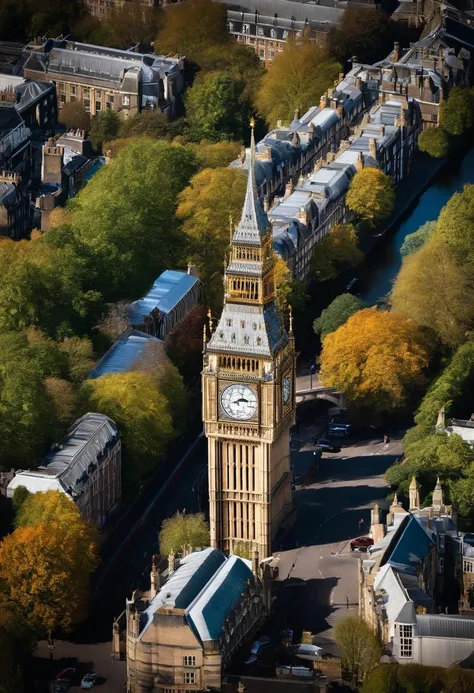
[[309, 387]]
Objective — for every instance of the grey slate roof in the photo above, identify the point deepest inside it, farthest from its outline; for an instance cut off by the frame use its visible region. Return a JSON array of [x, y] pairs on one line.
[[328, 12], [439, 626], [253, 223], [166, 292], [123, 354]]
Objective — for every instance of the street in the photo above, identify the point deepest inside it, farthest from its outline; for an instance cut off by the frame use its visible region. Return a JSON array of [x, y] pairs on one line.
[[317, 582]]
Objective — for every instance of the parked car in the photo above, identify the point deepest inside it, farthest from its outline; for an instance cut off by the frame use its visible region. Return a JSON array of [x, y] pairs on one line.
[[89, 680], [311, 652], [257, 648], [61, 685], [361, 543], [66, 674], [326, 445], [336, 431]]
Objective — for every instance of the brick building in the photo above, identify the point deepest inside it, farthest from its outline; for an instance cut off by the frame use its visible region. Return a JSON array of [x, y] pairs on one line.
[[15, 217]]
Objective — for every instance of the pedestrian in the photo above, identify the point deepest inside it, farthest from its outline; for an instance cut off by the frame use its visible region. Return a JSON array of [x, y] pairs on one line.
[[386, 439], [347, 601], [361, 524]]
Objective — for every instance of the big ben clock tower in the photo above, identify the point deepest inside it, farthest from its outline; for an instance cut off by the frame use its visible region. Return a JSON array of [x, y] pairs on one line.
[[248, 394]]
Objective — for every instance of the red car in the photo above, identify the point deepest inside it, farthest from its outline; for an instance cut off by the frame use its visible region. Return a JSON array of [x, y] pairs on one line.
[[361, 543], [66, 674]]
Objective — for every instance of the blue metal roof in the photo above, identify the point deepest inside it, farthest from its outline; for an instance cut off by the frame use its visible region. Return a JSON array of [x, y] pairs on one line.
[[413, 543], [166, 292], [208, 613], [124, 354]]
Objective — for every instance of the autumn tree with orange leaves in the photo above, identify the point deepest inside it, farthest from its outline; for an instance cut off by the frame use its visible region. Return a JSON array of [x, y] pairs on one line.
[[377, 359], [46, 563]]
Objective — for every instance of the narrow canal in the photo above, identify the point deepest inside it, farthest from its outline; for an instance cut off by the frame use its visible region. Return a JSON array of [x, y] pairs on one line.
[[381, 266]]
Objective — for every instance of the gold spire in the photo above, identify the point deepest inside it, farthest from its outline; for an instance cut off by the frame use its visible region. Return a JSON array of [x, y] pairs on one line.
[[291, 319], [231, 226], [209, 315], [204, 337]]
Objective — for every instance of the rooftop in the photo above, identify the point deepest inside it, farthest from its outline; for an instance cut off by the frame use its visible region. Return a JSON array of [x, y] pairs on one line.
[[167, 291], [124, 354]]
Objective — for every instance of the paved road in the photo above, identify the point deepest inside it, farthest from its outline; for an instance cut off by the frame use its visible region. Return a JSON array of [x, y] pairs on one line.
[[317, 572]]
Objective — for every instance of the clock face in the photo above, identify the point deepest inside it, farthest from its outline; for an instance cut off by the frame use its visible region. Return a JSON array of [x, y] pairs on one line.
[[286, 389], [239, 402]]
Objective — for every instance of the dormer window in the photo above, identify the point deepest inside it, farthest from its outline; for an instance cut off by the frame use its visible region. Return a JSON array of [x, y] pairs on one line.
[[260, 31], [232, 337], [221, 335], [246, 28], [242, 324], [259, 341], [254, 326], [273, 33], [228, 322], [230, 26], [246, 339]]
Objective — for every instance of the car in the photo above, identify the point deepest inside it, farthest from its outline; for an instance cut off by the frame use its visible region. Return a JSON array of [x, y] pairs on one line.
[[361, 543], [351, 283], [89, 680], [326, 445], [257, 648], [335, 431], [61, 685], [468, 538], [311, 652], [66, 674]]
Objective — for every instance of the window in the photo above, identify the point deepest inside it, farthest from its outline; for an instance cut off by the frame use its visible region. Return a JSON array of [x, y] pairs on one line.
[[87, 105], [73, 89], [285, 35], [230, 26], [261, 53], [98, 93], [260, 31], [406, 641], [62, 88], [273, 33], [73, 98], [246, 28], [125, 100], [98, 106], [189, 677], [467, 567], [189, 661], [86, 92], [228, 322]]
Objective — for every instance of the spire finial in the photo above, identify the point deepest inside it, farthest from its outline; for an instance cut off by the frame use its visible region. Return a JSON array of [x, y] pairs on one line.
[[204, 336], [231, 227], [209, 315], [291, 319], [252, 141]]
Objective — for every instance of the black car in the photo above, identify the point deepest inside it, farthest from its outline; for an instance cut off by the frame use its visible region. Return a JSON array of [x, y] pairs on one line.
[[326, 445], [61, 685]]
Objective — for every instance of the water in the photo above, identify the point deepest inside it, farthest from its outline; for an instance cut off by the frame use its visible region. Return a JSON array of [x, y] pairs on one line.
[[376, 275], [378, 272]]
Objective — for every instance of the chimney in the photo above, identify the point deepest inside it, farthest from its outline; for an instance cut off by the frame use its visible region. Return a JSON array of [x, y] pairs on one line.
[[255, 563], [330, 156], [382, 130], [318, 165], [358, 83], [301, 215], [323, 101], [340, 111], [360, 162], [296, 114], [373, 149], [414, 494], [289, 187], [438, 501], [171, 562], [153, 577], [278, 123], [266, 204]]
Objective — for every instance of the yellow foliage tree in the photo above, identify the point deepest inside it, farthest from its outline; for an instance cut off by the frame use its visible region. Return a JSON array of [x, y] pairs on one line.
[[338, 248], [46, 563], [296, 80], [432, 289], [371, 195], [377, 359], [205, 206]]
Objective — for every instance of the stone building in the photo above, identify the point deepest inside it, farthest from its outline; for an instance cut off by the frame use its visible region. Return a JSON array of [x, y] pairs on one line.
[[85, 465], [409, 583], [249, 394], [107, 78], [182, 636], [15, 137], [15, 217], [101, 8]]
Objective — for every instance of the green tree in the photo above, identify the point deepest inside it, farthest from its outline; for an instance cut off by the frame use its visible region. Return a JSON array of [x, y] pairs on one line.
[[364, 33], [74, 117], [377, 359], [288, 292], [295, 80], [414, 241], [435, 142], [128, 230], [456, 114], [383, 679], [371, 195], [152, 124], [141, 412], [216, 108], [214, 154], [184, 343], [183, 530], [50, 508], [360, 649], [456, 223], [20, 494], [63, 397], [337, 250], [337, 313], [192, 28], [434, 271], [104, 127], [133, 24], [205, 206]]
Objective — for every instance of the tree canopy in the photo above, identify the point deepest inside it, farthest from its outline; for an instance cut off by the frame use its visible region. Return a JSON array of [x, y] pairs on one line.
[[337, 313], [295, 81], [416, 678], [371, 195], [456, 223], [364, 33], [184, 343], [74, 117], [358, 643], [214, 154], [104, 127], [414, 241], [431, 289], [377, 359], [46, 563], [456, 113], [205, 207], [191, 28], [435, 142], [183, 530], [335, 251], [216, 108], [135, 23], [152, 124]]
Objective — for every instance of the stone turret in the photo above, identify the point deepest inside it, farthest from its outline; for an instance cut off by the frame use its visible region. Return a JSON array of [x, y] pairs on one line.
[[414, 494], [438, 501], [377, 529]]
